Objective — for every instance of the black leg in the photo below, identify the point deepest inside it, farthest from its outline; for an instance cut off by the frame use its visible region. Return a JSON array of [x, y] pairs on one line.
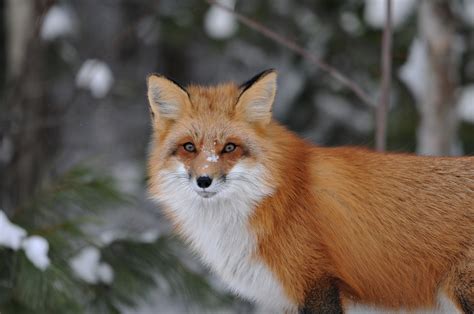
[[464, 288], [323, 297], [467, 305]]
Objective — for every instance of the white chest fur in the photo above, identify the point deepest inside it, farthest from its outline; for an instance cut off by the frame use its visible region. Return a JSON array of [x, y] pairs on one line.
[[218, 230], [222, 239]]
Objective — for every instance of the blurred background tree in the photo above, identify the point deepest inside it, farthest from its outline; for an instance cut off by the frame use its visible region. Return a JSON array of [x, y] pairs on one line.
[[74, 126]]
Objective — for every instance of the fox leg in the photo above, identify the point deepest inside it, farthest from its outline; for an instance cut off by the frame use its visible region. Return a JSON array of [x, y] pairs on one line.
[[460, 285], [464, 290], [323, 297]]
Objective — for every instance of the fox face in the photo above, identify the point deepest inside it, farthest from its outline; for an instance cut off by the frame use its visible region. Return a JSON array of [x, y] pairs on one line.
[[209, 161], [210, 167], [209, 142]]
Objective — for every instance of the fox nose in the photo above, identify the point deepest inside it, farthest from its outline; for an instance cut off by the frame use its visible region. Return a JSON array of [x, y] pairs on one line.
[[204, 182]]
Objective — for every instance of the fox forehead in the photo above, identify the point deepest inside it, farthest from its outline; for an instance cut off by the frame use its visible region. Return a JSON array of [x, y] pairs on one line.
[[205, 134], [219, 100], [209, 117]]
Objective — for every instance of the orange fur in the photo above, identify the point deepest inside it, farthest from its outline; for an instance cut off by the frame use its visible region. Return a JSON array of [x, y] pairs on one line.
[[393, 229], [389, 227]]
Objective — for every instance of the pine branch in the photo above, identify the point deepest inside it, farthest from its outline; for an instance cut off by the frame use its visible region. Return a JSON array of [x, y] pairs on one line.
[[141, 266], [58, 213]]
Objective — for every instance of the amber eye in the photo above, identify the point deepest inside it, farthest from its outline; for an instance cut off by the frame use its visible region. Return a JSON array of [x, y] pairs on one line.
[[229, 148], [189, 147]]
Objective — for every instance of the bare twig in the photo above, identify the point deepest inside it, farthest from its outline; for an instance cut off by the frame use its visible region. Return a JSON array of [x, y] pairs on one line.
[[386, 65], [344, 80]]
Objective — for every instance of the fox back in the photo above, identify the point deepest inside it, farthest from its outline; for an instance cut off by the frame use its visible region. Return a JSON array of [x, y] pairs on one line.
[[297, 227]]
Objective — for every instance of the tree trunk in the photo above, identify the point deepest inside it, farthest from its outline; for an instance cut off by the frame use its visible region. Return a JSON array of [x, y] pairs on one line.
[[437, 132], [25, 141]]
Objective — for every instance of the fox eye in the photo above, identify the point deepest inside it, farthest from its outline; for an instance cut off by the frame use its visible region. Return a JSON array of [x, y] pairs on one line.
[[189, 147], [229, 148]]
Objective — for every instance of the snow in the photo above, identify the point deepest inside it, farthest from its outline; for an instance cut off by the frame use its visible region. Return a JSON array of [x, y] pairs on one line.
[[374, 13], [58, 22], [128, 176], [36, 249], [105, 273], [468, 12], [96, 76], [220, 24], [350, 23], [466, 104], [11, 235], [413, 72], [149, 236], [109, 236], [87, 266], [212, 158]]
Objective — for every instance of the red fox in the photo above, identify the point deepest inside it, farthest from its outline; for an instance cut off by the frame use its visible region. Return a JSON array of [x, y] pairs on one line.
[[300, 228]]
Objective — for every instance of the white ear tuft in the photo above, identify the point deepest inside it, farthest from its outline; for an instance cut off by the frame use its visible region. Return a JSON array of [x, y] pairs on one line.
[[257, 96], [166, 97]]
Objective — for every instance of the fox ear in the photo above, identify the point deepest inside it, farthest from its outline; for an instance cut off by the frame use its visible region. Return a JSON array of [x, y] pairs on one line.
[[257, 96], [166, 97]]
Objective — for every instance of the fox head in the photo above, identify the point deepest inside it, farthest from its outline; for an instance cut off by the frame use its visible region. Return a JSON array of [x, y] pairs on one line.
[[209, 142]]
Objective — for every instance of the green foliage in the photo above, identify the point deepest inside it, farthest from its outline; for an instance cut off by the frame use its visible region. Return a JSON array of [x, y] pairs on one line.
[[135, 261], [58, 213], [27, 289], [80, 191]]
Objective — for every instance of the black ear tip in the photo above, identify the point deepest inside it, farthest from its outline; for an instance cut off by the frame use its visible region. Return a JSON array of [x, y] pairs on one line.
[[268, 71], [250, 82], [265, 73]]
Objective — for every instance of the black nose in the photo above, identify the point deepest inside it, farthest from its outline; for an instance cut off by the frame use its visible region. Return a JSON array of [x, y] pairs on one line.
[[204, 182]]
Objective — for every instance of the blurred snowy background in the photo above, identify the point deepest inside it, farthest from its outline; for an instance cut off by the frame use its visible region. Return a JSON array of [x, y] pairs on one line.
[[77, 232]]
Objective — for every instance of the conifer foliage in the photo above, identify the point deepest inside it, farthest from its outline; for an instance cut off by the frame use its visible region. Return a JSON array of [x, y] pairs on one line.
[[126, 269]]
